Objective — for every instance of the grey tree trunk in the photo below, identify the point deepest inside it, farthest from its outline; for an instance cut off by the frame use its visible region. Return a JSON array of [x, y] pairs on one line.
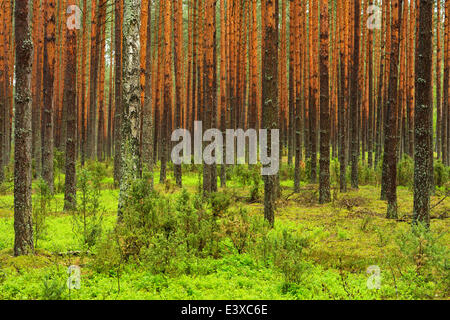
[[118, 89], [130, 161], [422, 114], [23, 226]]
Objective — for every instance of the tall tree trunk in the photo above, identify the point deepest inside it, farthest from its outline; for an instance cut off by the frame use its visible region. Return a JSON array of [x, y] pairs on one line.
[[223, 76], [37, 86], [438, 79], [314, 77], [343, 98], [370, 96], [94, 68], [423, 109], [324, 178], [446, 107], [391, 135], [3, 88], [178, 71], [49, 70], [269, 14], [101, 92], [167, 87], [70, 106], [299, 92], [118, 13], [354, 96], [147, 114], [210, 88], [84, 94], [23, 226], [411, 78], [131, 100]]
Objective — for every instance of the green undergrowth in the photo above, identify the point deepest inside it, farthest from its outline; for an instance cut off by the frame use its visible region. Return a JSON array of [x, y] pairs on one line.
[[176, 244]]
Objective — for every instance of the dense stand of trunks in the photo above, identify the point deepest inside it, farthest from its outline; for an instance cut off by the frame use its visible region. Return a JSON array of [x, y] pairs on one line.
[[344, 78]]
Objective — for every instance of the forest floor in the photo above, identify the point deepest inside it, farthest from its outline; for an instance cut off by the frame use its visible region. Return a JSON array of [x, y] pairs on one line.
[[343, 238]]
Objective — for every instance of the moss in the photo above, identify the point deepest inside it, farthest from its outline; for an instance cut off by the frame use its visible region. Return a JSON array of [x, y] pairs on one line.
[[344, 237]]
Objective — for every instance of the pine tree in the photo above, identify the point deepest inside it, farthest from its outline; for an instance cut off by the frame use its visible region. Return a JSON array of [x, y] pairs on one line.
[[269, 13], [23, 227], [48, 101], [391, 134], [70, 106], [324, 188], [422, 113]]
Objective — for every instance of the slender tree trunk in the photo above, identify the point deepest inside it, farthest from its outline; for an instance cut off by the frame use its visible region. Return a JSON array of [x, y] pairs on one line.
[[94, 75], [178, 69], [49, 70], [370, 96], [210, 92], [411, 78], [343, 100], [314, 79], [37, 86], [446, 96], [298, 16], [147, 114], [167, 87], [223, 76], [438, 79], [391, 135], [3, 89], [70, 105], [269, 13], [84, 95], [324, 180], [118, 12], [354, 96], [101, 92]]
